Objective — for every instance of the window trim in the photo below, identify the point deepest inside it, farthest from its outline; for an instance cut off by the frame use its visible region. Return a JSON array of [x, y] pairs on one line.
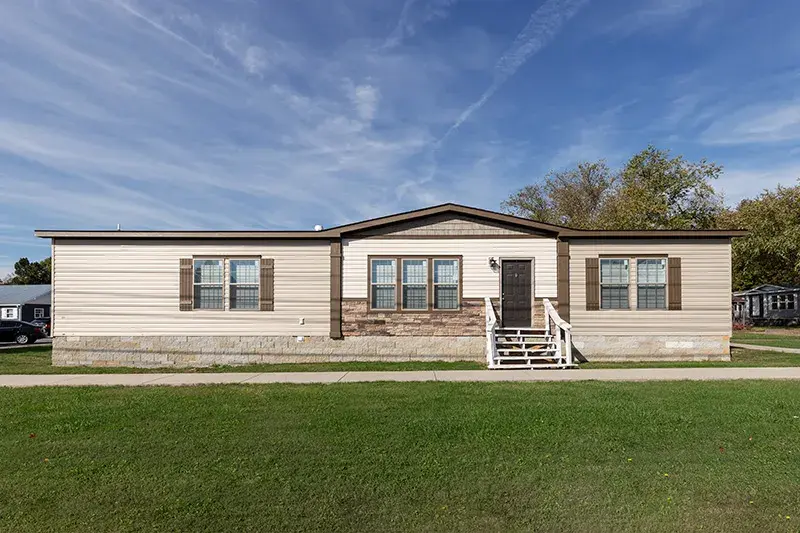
[[399, 283], [600, 282], [666, 282]]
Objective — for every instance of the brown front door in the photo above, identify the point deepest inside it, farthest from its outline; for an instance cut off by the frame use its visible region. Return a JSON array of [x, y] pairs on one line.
[[516, 289]]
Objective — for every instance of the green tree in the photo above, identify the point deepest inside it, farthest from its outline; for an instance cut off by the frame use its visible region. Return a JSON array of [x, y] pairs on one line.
[[652, 191], [27, 273], [656, 191], [573, 197], [771, 251]]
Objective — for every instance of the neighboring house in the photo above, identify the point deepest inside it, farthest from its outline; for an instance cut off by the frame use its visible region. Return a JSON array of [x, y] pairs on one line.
[[767, 305], [24, 302], [409, 286]]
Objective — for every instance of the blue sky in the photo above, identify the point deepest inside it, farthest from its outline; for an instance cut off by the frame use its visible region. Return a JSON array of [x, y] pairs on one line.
[[283, 114]]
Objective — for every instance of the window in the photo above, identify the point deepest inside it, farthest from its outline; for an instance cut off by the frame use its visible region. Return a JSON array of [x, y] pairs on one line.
[[383, 284], [782, 302], [614, 281], [445, 284], [244, 283], [651, 281], [415, 284], [208, 286], [38, 312], [9, 313]]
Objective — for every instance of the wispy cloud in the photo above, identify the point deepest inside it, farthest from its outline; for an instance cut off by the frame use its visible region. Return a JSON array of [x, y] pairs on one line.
[[775, 122], [543, 25], [414, 14], [654, 15]]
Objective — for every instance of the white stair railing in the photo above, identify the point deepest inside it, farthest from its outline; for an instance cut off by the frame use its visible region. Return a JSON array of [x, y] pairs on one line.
[[491, 329], [563, 333]]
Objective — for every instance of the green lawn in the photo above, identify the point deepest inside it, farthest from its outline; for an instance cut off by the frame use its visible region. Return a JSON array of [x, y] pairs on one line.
[[36, 360], [767, 339], [588, 457], [739, 358]]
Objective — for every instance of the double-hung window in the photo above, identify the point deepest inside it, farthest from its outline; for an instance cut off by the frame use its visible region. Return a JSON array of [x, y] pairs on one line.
[[209, 275], [244, 285], [383, 284], [651, 281], [614, 284], [445, 283], [38, 312], [415, 284]]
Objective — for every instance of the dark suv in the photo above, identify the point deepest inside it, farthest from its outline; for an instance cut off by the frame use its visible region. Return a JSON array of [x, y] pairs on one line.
[[19, 332]]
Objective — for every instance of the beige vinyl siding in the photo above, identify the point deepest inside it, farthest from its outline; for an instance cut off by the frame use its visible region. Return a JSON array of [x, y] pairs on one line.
[[706, 280], [447, 225], [132, 288], [479, 281]]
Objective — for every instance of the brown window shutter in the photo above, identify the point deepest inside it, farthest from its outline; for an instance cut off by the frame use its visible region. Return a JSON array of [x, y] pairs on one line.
[[186, 285], [592, 284], [674, 285], [267, 296]]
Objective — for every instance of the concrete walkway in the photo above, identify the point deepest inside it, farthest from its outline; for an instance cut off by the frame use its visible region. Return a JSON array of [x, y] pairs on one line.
[[764, 348], [628, 374]]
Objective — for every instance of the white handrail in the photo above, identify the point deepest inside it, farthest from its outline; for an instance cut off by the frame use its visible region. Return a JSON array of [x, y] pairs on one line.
[[491, 327], [563, 330]]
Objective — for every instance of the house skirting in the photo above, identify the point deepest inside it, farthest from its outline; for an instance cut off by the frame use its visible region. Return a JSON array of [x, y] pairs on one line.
[[631, 348], [189, 351]]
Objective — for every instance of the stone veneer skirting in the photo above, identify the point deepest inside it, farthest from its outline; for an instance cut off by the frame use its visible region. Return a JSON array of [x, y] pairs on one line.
[[630, 348], [150, 351], [470, 320]]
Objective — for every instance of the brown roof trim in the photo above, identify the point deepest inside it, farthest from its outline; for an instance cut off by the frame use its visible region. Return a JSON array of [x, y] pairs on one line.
[[89, 234], [352, 229], [448, 208]]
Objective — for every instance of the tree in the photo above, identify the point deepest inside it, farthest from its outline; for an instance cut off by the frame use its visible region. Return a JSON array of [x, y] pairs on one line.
[[652, 191], [771, 251], [655, 191], [27, 273], [573, 197]]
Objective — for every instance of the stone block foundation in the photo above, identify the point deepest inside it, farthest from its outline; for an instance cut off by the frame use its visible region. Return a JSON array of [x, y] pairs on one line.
[[181, 351], [632, 348]]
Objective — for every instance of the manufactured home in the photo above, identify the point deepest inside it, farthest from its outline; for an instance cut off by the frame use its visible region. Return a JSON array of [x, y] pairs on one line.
[[447, 283], [767, 305]]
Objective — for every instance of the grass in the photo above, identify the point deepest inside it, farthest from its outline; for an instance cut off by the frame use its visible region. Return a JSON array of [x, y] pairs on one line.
[[767, 339], [458, 457], [739, 358], [36, 360]]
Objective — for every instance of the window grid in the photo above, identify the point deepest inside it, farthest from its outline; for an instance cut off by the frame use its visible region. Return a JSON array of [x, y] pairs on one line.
[[38, 312], [415, 284], [244, 280], [445, 284], [383, 284], [614, 284], [651, 280], [208, 283]]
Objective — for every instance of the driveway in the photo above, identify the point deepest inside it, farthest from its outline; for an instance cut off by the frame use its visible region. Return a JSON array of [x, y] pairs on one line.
[[10, 345]]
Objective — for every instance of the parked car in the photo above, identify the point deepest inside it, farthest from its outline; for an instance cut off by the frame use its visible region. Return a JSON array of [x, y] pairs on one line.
[[43, 323], [19, 332]]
